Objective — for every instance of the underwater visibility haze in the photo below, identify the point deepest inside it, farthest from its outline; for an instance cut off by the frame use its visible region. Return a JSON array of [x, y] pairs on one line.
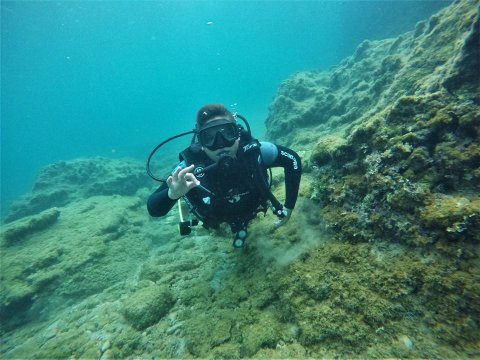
[[380, 258], [113, 78]]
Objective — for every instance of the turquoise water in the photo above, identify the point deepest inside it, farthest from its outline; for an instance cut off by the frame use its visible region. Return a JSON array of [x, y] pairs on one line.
[[88, 78]]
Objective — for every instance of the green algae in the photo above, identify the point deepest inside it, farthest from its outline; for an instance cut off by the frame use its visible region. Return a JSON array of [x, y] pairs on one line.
[[22, 229], [326, 299], [66, 261], [147, 306], [408, 176], [329, 149], [63, 182], [457, 216]]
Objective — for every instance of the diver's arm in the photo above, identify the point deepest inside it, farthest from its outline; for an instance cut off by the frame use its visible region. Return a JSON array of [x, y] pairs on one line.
[[280, 156], [159, 203]]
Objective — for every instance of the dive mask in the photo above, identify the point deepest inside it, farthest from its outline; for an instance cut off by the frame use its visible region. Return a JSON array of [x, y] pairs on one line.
[[218, 134]]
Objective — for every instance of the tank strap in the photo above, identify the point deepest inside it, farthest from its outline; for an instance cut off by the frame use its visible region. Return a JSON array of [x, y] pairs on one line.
[[253, 154]]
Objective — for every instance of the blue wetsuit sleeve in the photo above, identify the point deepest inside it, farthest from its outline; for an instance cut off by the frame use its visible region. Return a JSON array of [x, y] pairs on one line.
[[158, 203], [280, 156]]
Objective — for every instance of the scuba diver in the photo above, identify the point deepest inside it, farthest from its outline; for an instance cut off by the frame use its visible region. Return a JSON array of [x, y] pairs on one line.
[[223, 176]]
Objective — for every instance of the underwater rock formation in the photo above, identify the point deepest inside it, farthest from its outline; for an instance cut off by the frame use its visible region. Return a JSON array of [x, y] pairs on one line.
[[379, 259], [398, 129], [433, 58], [392, 144], [49, 260], [67, 181], [17, 231]]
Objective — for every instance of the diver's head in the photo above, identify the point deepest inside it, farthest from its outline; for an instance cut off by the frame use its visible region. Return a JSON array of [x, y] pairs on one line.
[[217, 131]]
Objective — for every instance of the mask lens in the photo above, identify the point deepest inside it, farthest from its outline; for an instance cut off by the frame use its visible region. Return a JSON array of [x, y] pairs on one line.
[[228, 132]]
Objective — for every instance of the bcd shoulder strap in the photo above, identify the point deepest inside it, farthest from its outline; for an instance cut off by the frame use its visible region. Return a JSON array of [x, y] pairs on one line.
[[252, 152]]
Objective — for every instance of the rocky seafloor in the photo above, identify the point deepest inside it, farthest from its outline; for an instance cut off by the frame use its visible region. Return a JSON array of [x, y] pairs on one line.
[[379, 260]]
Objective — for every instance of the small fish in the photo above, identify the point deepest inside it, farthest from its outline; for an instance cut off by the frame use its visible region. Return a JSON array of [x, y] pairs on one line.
[[209, 23]]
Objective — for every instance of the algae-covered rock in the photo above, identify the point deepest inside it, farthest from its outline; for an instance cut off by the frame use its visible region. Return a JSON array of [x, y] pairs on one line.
[[147, 306], [68, 260], [457, 216], [16, 232], [207, 331], [438, 57], [261, 334], [465, 70], [67, 181], [14, 301], [328, 149], [411, 136], [395, 160]]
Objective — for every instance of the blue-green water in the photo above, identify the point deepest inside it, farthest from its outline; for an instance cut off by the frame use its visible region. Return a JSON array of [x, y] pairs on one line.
[[113, 78]]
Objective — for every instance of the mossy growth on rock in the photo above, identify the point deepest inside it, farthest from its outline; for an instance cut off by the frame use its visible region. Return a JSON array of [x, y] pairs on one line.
[[67, 181], [403, 169], [147, 305], [16, 232], [329, 149], [457, 216]]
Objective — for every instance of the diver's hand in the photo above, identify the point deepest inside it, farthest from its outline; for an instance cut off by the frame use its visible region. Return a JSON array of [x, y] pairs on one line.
[[181, 182], [283, 220]]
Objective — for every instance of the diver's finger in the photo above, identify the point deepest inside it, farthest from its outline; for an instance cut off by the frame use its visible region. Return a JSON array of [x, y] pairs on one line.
[[176, 172], [192, 183], [169, 181], [185, 171], [190, 177]]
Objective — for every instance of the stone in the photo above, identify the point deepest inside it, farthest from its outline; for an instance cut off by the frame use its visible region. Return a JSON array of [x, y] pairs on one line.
[[146, 306], [16, 232]]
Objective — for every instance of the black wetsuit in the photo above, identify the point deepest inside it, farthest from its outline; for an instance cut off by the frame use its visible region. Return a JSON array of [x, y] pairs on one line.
[[236, 195]]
